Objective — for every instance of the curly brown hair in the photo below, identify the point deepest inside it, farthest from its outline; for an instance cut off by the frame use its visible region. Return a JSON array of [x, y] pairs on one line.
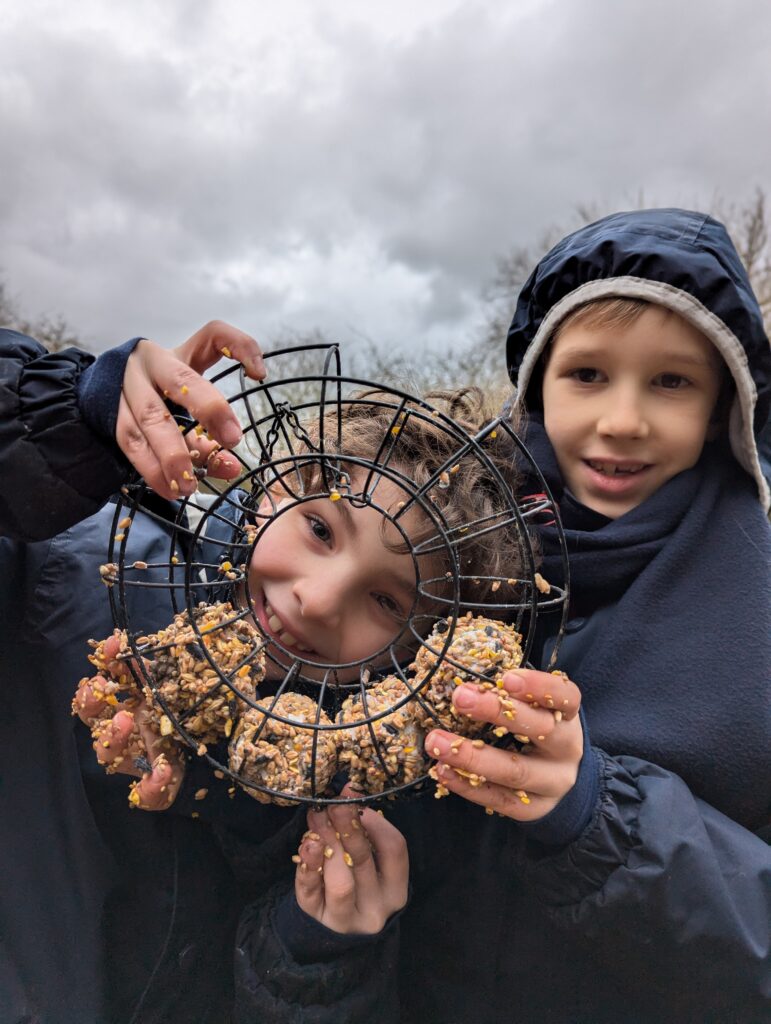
[[460, 476]]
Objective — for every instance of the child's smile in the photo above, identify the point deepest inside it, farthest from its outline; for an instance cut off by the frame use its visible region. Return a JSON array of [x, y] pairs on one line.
[[616, 478], [628, 408], [273, 626]]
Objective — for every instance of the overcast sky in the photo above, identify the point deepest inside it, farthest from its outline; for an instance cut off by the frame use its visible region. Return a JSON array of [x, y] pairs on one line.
[[357, 167]]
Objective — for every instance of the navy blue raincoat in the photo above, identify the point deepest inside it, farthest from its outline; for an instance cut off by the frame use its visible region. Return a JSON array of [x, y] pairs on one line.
[[107, 916]]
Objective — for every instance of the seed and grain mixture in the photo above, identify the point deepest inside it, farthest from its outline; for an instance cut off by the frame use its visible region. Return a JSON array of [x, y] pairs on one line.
[[281, 757], [116, 680], [480, 647], [183, 676], [394, 757]]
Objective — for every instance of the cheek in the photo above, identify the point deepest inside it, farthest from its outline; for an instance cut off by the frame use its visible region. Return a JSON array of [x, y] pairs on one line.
[[270, 555], [560, 424], [366, 635], [692, 432]]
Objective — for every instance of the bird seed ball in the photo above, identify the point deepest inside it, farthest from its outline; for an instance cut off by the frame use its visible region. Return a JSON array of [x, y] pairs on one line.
[[281, 756], [398, 738], [190, 687], [480, 647]]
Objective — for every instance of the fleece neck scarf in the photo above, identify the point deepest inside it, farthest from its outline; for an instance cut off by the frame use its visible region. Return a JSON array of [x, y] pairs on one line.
[[681, 673]]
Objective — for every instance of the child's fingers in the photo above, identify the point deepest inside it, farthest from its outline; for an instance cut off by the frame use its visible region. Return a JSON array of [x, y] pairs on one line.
[[212, 457], [356, 849], [90, 700], [339, 881], [217, 339], [117, 743], [550, 690], [156, 790], [507, 768], [111, 648], [391, 857], [172, 375], [503, 711], [309, 877], [518, 804], [150, 439]]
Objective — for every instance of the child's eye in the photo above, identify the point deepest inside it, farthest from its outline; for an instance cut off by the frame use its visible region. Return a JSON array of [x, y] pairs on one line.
[[389, 605], [586, 375], [672, 381], [319, 529]]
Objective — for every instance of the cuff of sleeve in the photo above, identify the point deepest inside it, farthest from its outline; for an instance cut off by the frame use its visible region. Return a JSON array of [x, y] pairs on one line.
[[573, 813], [99, 388], [310, 942]]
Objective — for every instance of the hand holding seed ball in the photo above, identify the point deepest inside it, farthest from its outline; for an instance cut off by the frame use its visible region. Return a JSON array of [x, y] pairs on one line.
[[131, 726], [480, 647], [526, 784], [126, 735]]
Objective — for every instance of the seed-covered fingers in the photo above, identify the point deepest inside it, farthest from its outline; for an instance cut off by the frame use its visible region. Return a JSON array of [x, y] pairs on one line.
[[352, 869], [324, 883], [505, 712], [552, 691], [146, 431], [217, 339], [504, 781], [118, 743], [391, 858], [94, 698], [477, 764], [128, 744], [529, 704], [540, 710], [157, 789], [211, 457]]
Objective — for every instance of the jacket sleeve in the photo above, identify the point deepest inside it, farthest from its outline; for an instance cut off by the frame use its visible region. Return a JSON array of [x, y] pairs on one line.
[[54, 470], [666, 883], [357, 987]]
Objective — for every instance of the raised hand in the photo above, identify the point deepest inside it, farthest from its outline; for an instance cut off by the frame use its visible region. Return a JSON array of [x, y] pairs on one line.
[[541, 710], [146, 431], [352, 869]]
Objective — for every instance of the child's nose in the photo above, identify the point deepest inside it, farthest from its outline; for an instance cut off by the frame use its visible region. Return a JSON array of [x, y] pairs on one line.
[[623, 416], [319, 599]]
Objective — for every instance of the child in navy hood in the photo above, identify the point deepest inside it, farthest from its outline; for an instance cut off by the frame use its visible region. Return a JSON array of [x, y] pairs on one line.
[[643, 370]]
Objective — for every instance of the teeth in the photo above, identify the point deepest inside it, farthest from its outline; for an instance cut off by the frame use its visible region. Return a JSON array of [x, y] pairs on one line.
[[277, 626], [612, 470], [285, 637]]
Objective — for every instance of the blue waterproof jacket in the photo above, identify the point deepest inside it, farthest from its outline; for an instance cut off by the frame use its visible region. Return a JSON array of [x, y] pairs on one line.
[[660, 909], [107, 916]]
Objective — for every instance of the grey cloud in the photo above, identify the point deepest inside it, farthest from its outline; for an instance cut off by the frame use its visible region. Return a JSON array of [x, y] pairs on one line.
[[137, 198]]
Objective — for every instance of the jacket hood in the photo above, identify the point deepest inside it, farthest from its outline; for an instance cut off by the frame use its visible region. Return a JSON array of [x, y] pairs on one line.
[[679, 259]]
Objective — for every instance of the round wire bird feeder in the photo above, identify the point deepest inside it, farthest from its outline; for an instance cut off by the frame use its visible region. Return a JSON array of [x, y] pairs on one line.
[[228, 681]]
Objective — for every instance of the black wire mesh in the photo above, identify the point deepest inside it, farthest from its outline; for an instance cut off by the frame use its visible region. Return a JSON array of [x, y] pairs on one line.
[[238, 677]]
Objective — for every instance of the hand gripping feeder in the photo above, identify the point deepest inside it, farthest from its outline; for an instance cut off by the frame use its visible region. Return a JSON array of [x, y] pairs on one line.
[[276, 719]]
